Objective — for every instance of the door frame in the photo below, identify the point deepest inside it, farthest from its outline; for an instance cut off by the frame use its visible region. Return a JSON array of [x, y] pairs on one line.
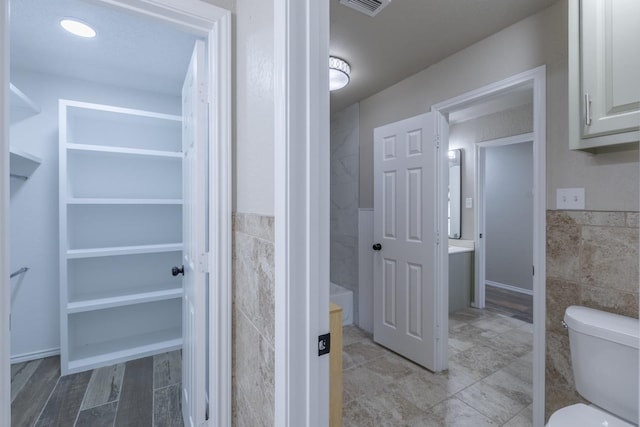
[[536, 78], [214, 24], [301, 128], [480, 214]]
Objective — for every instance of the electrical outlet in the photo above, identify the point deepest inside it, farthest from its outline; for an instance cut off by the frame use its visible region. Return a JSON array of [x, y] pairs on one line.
[[570, 198]]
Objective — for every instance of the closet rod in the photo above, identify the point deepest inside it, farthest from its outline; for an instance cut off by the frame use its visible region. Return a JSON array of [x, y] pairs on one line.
[[22, 177], [15, 273]]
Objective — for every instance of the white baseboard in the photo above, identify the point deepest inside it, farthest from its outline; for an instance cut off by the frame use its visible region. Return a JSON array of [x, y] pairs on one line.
[[508, 287], [25, 357]]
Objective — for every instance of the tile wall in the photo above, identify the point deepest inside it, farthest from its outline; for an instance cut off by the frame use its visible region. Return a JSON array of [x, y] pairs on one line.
[[592, 260], [253, 320], [344, 200]]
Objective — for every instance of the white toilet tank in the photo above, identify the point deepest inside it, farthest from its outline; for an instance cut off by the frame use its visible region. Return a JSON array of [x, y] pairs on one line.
[[604, 355]]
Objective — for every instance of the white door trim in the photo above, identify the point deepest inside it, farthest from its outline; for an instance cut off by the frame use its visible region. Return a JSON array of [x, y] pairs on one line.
[[203, 20], [480, 218], [5, 296], [301, 211], [537, 78]]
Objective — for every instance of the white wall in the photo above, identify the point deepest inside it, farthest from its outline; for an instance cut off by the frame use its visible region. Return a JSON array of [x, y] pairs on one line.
[[537, 40], [34, 203], [254, 108], [509, 214], [344, 201]]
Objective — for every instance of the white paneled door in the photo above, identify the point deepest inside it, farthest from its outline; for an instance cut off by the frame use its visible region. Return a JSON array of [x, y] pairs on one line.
[[194, 133], [406, 228]]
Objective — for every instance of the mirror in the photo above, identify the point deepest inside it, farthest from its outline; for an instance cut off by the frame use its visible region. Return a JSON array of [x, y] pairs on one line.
[[455, 176]]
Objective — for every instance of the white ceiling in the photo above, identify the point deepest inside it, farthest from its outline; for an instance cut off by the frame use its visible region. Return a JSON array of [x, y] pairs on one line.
[[404, 38], [410, 35], [129, 51]]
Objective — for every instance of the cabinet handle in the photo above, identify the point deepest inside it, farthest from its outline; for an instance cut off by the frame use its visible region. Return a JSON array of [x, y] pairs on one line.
[[587, 109]]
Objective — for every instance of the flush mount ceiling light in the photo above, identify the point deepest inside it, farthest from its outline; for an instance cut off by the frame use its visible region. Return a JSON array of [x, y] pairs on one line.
[[339, 72], [78, 28]]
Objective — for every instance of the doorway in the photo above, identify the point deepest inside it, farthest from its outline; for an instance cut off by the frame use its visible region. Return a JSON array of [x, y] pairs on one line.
[[491, 346], [504, 175], [535, 80], [213, 24]]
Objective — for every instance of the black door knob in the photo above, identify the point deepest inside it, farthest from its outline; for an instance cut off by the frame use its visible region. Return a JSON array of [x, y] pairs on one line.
[[175, 270], [377, 246]]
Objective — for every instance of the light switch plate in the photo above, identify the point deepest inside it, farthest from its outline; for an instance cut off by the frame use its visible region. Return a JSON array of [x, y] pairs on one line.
[[570, 198], [468, 203]]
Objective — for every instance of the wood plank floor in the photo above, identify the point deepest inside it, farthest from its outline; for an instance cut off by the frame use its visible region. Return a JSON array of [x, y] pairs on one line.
[[139, 393], [509, 303]]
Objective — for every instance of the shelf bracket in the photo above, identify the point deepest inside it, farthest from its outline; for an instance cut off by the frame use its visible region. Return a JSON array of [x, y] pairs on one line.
[[20, 271]]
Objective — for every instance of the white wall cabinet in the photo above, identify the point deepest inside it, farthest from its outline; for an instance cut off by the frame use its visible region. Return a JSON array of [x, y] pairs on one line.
[[120, 234], [604, 65]]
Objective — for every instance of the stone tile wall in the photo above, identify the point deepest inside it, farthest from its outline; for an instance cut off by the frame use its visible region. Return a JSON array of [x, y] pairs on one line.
[[592, 260], [344, 201], [253, 320]]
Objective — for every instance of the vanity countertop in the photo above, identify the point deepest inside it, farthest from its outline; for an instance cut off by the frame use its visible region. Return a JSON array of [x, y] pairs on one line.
[[458, 250]]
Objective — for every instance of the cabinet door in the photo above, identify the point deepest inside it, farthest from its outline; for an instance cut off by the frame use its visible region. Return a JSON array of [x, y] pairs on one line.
[[610, 52]]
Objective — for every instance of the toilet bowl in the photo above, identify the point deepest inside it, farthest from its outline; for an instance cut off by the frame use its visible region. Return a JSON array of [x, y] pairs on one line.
[[604, 359], [581, 415]]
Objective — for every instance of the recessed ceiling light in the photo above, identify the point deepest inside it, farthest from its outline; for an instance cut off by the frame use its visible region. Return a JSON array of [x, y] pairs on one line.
[[78, 28]]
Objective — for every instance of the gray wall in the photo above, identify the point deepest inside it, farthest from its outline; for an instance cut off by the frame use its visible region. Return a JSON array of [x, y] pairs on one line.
[[464, 135], [344, 200], [509, 214], [537, 40]]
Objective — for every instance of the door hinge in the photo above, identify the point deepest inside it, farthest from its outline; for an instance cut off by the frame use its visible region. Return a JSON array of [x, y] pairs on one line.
[[203, 91], [437, 141], [324, 344], [203, 262], [533, 270]]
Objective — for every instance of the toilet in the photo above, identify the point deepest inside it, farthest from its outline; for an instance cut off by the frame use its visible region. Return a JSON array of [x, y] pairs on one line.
[[604, 357]]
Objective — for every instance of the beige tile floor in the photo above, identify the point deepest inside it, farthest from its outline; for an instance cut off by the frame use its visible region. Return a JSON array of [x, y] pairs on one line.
[[488, 382]]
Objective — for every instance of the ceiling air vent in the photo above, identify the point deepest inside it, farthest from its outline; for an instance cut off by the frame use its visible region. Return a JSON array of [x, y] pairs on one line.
[[368, 7]]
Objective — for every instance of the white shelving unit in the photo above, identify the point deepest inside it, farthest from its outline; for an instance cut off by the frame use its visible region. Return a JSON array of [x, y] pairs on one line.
[[22, 106], [120, 234], [21, 163]]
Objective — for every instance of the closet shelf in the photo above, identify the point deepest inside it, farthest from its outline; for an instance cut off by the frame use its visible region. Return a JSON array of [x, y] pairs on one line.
[[107, 201], [120, 199], [22, 106], [123, 150], [122, 300], [21, 163], [122, 250], [87, 110], [127, 348]]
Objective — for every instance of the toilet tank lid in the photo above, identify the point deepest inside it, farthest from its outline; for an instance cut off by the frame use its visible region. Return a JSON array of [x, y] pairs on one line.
[[613, 327]]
